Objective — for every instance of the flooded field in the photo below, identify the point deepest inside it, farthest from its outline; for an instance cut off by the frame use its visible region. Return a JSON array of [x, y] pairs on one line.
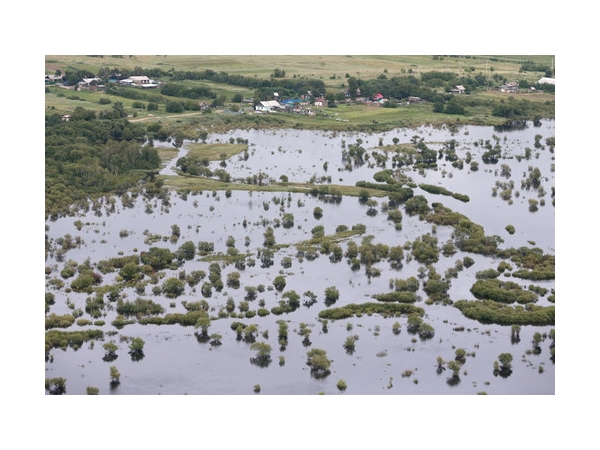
[[386, 359]]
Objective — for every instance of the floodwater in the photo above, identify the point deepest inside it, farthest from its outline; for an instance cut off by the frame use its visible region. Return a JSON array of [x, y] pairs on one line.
[[383, 363]]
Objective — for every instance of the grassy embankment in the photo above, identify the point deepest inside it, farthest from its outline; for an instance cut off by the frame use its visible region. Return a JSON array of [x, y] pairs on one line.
[[215, 152]]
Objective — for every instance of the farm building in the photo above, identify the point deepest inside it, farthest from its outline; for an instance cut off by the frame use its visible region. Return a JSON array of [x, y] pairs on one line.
[[459, 89], [268, 106], [546, 80], [139, 81], [511, 86], [320, 101]]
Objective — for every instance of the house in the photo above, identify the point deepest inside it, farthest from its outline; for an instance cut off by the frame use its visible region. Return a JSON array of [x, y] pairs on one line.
[[377, 97], [53, 78], [459, 89], [267, 106], [88, 83], [545, 80], [511, 86], [139, 81], [320, 101], [65, 117]]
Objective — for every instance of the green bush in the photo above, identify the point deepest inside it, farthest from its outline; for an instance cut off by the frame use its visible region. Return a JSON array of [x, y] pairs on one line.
[[489, 311], [502, 291], [397, 296]]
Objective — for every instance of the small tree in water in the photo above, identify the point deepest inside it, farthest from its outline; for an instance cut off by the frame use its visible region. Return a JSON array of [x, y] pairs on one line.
[[263, 354], [318, 362]]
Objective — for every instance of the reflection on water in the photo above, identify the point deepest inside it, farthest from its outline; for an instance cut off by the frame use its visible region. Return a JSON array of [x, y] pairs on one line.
[[175, 361]]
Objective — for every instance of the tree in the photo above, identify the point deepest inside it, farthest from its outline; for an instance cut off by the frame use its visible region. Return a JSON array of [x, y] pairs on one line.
[[349, 343], [263, 354], [454, 366], [136, 349], [250, 332], [114, 375], [131, 272], [318, 231], [440, 364], [203, 323], [282, 335], [266, 258], [173, 287], [215, 339], [537, 338], [459, 355], [293, 299], [332, 294], [287, 220], [286, 262], [454, 107], [158, 258], [186, 251], [396, 255], [503, 366], [269, 237], [416, 205], [110, 348], [233, 280], [515, 331], [318, 362], [56, 386], [279, 282], [119, 110], [91, 390], [363, 196], [206, 289]]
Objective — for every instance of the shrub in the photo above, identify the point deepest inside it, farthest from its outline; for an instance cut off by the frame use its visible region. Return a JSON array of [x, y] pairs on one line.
[[279, 282], [173, 287], [397, 296]]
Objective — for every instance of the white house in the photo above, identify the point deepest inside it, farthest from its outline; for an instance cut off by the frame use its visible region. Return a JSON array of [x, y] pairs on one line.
[[140, 81], [268, 106], [545, 80]]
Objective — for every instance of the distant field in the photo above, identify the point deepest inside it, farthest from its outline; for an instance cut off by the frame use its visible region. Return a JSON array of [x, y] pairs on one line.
[[326, 67]]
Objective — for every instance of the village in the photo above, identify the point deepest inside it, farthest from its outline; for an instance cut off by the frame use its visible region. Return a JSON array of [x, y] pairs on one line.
[[304, 104]]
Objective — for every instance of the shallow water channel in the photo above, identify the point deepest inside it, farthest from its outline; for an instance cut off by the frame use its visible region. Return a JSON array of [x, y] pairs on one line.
[[383, 363]]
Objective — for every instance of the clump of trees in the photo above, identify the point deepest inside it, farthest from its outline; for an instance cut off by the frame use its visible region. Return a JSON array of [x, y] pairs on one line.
[[93, 154], [502, 291], [489, 311]]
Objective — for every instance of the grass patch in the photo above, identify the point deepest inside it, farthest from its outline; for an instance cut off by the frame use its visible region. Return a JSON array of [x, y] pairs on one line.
[[214, 152]]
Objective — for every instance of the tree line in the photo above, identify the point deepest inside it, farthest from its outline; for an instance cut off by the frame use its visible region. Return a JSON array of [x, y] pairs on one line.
[[92, 154]]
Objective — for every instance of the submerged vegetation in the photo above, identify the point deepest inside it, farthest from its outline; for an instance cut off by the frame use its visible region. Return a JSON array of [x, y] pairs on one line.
[[256, 272]]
